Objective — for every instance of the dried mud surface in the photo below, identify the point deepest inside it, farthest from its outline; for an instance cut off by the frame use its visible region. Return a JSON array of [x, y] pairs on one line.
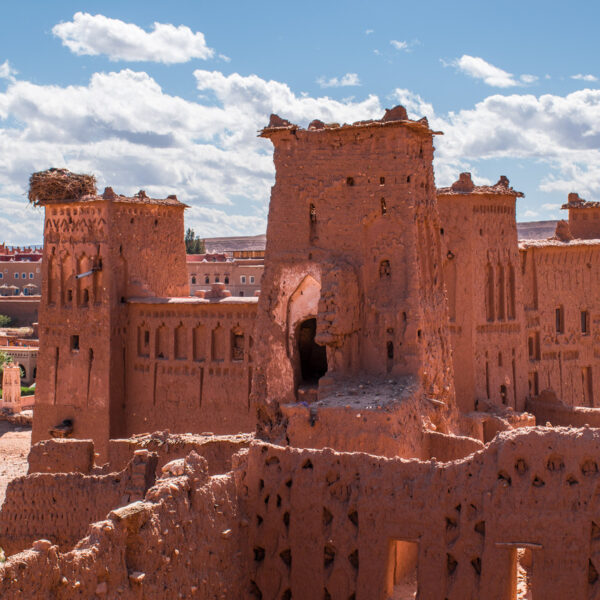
[[14, 448]]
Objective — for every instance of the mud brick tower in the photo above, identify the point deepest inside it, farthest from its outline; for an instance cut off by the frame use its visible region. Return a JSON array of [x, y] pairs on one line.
[[485, 296], [353, 280], [98, 251]]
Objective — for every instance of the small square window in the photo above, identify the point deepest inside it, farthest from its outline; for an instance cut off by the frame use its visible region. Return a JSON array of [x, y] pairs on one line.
[[217, 279], [251, 278], [30, 275], [16, 276], [242, 279]]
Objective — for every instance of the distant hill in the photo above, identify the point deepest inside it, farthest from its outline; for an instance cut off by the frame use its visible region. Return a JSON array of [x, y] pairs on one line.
[[536, 230]]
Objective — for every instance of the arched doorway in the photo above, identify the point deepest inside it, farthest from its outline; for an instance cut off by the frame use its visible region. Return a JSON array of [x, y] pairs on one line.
[[313, 358]]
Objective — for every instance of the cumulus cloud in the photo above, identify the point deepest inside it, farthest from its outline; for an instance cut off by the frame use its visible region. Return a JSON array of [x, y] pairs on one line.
[[582, 77], [6, 71], [476, 67], [399, 45], [349, 79], [126, 129], [97, 34]]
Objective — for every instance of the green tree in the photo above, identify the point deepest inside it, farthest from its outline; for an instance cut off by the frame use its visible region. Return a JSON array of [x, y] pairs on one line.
[[4, 360], [193, 244], [5, 320]]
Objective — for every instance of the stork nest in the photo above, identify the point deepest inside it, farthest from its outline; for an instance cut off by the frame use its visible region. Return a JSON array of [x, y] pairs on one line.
[[58, 185]]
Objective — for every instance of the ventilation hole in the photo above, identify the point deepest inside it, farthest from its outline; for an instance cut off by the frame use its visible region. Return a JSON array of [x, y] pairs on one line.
[[521, 466], [352, 596], [255, 591], [451, 564], [259, 554], [408, 179], [278, 501], [458, 508], [353, 516], [261, 484], [327, 517], [592, 573], [451, 523], [480, 527], [589, 467], [259, 520], [288, 483], [267, 497], [555, 463], [441, 231], [419, 333], [382, 181], [476, 564], [286, 519], [537, 482], [272, 460], [328, 556], [390, 350], [286, 557], [307, 464], [287, 595], [350, 181], [504, 477], [571, 480], [326, 594], [383, 207], [353, 559]]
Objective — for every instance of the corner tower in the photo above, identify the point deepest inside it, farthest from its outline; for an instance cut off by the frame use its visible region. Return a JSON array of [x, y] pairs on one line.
[[353, 273], [98, 250]]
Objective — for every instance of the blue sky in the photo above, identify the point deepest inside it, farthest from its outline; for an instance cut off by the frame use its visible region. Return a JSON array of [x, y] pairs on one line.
[[168, 96]]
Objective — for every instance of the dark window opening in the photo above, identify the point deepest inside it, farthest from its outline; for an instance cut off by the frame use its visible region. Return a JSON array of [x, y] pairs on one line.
[[382, 181], [534, 386], [74, 343], [385, 269], [193, 280], [155, 222], [313, 358], [383, 206], [237, 346], [313, 213], [390, 350], [226, 279], [441, 231], [585, 322], [86, 296], [69, 295], [207, 279], [146, 338], [242, 293], [559, 315], [408, 179], [217, 279], [350, 181], [503, 394]]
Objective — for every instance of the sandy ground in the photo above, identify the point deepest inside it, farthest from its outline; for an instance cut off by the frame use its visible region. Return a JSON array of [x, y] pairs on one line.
[[14, 448]]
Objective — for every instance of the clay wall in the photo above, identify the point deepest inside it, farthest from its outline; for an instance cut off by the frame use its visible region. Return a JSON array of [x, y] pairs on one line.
[[322, 524], [183, 541], [23, 310], [189, 365], [26, 358], [65, 456], [217, 450], [481, 272], [60, 506], [353, 241], [11, 388], [563, 319], [584, 222]]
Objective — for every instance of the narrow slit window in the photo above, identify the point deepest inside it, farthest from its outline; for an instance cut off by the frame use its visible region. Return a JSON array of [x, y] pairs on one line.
[[74, 343], [383, 206], [559, 317], [585, 322], [385, 270]]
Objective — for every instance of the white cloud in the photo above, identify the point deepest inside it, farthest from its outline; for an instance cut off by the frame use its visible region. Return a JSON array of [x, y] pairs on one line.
[[6, 71], [476, 67], [369, 31], [551, 206], [349, 79], [399, 45], [97, 34], [527, 78], [531, 213], [123, 127], [582, 77]]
